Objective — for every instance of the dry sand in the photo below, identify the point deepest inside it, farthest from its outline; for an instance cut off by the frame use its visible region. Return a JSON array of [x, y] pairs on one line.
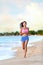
[[34, 56]]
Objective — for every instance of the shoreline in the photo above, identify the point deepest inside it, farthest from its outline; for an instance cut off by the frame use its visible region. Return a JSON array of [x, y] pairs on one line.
[[34, 53], [20, 35]]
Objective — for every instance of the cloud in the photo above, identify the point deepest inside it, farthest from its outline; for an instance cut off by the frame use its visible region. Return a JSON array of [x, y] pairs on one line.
[[12, 12], [33, 15], [18, 3], [8, 23]]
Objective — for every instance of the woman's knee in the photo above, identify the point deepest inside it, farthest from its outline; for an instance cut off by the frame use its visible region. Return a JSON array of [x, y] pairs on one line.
[[23, 45], [26, 42]]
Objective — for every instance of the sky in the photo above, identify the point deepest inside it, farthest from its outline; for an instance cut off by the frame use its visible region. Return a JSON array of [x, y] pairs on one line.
[[13, 12]]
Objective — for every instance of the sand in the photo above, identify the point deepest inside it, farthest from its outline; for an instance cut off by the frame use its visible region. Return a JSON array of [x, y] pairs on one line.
[[34, 56]]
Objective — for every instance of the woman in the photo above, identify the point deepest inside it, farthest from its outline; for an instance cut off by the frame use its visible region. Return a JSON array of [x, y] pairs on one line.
[[24, 33]]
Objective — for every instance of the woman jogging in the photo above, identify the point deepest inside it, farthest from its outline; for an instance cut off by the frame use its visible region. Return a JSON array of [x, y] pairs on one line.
[[24, 33]]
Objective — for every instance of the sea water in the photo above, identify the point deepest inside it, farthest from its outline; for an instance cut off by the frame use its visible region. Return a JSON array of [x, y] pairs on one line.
[[8, 42]]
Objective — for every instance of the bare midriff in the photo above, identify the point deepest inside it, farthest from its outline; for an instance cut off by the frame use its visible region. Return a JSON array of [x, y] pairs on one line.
[[24, 34]]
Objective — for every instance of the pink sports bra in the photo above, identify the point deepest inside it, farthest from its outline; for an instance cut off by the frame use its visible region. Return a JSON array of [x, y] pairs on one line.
[[25, 30]]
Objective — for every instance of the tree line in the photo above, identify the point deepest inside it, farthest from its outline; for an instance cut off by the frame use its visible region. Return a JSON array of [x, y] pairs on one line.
[[31, 32]]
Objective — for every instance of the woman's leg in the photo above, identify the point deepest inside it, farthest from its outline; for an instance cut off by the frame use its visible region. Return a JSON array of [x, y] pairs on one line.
[[23, 45], [25, 51]]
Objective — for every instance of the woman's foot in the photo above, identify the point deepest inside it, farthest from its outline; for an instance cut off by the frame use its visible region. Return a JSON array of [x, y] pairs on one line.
[[24, 56]]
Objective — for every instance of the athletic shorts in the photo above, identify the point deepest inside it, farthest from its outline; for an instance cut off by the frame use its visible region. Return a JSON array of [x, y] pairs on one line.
[[24, 38]]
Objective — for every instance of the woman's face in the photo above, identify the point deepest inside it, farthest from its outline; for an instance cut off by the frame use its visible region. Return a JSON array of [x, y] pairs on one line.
[[24, 24]]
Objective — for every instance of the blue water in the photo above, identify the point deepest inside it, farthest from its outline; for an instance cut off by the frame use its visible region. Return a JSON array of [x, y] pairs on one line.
[[8, 42]]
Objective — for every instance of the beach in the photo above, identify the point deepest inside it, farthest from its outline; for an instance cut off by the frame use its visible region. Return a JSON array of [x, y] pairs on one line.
[[34, 56]]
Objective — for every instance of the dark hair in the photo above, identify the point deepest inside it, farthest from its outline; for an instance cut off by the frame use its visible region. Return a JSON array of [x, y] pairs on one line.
[[21, 24]]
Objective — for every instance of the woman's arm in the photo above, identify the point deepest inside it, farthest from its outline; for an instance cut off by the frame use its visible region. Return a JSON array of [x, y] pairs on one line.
[[20, 31]]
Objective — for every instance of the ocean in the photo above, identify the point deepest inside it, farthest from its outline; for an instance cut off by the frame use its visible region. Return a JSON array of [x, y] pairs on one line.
[[9, 42]]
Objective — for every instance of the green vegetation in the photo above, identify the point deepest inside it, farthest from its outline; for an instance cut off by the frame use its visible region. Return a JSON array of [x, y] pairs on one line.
[[16, 33], [31, 32], [9, 34], [40, 32]]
